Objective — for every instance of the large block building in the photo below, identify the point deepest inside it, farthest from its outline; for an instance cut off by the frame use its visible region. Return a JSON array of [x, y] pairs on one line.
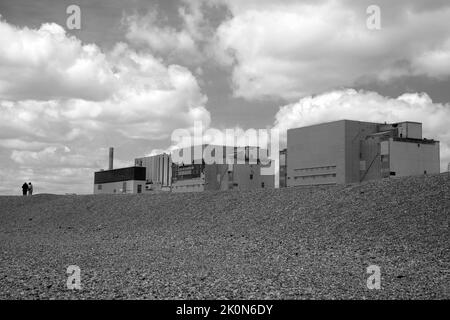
[[201, 177], [237, 169], [336, 152], [158, 175], [353, 151]]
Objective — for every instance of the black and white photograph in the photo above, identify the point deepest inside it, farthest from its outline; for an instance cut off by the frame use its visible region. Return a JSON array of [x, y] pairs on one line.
[[224, 155]]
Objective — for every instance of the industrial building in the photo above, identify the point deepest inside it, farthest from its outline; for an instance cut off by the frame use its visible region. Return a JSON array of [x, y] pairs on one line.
[[158, 175], [123, 180], [237, 169], [283, 168], [201, 177], [353, 151], [336, 152]]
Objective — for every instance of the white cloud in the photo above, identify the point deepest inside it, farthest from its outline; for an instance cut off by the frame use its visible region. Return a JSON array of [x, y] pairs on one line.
[[290, 49], [149, 99], [185, 44], [52, 157], [372, 107], [46, 63], [92, 99], [162, 40], [434, 63], [19, 144]]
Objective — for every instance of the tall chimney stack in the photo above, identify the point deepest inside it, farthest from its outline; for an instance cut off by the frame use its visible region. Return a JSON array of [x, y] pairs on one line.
[[111, 158]]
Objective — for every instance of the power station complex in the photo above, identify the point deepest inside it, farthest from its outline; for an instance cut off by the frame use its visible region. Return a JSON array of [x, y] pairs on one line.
[[336, 152]]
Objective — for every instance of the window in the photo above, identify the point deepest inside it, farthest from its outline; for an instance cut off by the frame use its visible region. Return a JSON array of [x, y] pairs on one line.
[[124, 187], [139, 188], [99, 187]]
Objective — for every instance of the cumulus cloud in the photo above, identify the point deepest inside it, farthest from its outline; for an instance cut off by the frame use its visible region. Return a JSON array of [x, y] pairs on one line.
[[52, 157], [434, 63], [163, 40], [188, 43], [372, 107], [19, 144], [151, 101], [46, 63], [90, 99], [290, 49]]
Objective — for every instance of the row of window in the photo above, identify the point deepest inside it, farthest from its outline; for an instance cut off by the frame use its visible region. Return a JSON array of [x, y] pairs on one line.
[[312, 169], [191, 186], [314, 176]]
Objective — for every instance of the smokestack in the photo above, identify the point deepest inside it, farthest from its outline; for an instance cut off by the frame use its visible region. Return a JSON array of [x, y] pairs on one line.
[[111, 158]]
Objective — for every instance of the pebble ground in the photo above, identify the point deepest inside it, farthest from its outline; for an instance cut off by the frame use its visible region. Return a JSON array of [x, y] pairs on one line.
[[292, 243]]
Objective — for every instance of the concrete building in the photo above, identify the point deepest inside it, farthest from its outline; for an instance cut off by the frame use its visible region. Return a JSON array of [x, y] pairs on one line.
[[123, 180], [236, 168], [158, 172], [239, 169], [283, 168], [353, 151], [201, 177]]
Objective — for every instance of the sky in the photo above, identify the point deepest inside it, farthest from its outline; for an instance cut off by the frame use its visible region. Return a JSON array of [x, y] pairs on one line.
[[137, 70]]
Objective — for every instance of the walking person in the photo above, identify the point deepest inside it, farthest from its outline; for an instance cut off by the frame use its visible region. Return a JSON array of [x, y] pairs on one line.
[[30, 189], [24, 188]]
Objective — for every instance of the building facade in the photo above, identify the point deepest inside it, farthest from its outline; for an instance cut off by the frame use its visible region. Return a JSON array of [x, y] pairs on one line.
[[238, 169], [231, 168], [353, 151], [283, 168], [158, 172], [201, 177], [123, 180]]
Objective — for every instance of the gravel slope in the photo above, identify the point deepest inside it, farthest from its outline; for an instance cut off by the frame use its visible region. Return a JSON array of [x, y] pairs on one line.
[[294, 243]]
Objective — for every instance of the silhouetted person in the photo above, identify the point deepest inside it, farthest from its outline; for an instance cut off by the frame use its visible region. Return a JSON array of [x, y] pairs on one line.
[[24, 188], [30, 189]]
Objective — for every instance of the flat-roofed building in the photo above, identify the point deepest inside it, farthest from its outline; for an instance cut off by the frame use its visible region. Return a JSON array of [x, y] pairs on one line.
[[349, 151], [123, 180], [158, 172], [238, 168], [198, 177]]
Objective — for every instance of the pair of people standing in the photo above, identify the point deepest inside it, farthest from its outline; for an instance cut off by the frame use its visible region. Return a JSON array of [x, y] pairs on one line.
[[27, 188]]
